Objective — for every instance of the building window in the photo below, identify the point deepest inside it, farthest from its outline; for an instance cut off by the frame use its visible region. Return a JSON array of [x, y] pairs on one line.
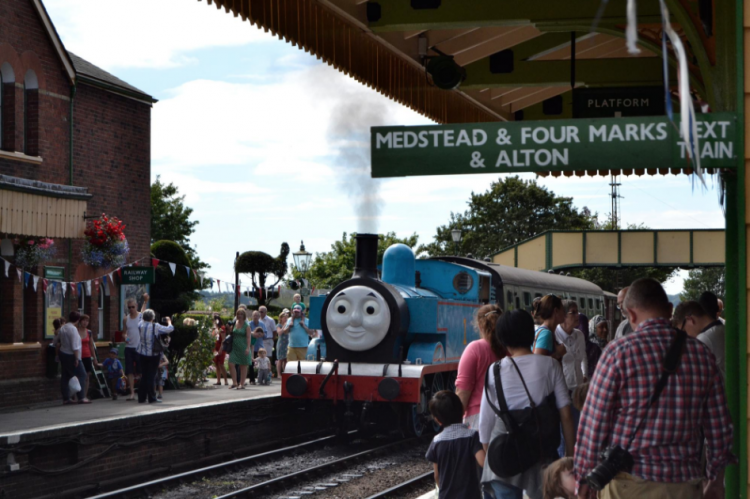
[[7, 107], [100, 333], [31, 114]]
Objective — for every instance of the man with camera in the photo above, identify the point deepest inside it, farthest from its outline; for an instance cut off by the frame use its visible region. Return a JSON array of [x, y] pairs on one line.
[[654, 396]]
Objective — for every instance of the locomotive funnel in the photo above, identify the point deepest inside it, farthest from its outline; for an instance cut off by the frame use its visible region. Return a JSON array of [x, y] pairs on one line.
[[366, 257]]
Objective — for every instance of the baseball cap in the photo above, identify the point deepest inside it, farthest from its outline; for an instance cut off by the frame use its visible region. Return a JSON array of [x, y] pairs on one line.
[[114, 350], [297, 307]]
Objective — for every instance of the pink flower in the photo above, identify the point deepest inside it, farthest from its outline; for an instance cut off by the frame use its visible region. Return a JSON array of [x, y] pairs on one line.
[[31, 242]]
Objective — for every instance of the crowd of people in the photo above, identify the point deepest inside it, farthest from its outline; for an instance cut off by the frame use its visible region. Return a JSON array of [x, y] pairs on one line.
[[549, 404]]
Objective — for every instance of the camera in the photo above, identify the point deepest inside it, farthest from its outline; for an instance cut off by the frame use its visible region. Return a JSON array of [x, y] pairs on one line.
[[613, 460]]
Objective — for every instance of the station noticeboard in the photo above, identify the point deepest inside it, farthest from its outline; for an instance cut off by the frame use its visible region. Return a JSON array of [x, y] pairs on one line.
[[137, 275], [555, 145], [53, 299]]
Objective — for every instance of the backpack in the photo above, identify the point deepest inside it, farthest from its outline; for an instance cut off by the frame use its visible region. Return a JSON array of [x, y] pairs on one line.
[[533, 433], [161, 341]]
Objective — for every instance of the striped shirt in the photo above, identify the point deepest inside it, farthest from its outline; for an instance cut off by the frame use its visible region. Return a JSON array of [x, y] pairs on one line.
[[668, 446], [148, 332]]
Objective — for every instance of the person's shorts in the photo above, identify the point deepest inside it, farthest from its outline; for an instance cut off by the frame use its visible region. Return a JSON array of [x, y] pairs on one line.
[[88, 365], [132, 361], [161, 381], [299, 353]]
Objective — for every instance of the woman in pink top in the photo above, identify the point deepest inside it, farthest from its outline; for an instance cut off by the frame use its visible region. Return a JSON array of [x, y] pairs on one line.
[[476, 359]]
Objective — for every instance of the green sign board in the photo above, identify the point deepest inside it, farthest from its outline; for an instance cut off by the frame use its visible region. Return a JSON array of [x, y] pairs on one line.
[[137, 275], [54, 273], [556, 145]]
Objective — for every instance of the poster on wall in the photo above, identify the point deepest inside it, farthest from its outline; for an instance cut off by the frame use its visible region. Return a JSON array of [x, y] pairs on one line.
[[53, 299]]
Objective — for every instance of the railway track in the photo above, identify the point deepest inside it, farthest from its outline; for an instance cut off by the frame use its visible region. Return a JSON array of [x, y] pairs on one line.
[[288, 481], [404, 487], [146, 489]]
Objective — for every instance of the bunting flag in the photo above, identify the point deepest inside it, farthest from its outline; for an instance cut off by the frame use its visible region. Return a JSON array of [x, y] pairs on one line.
[[173, 267], [154, 262], [44, 285], [104, 282], [187, 269], [7, 267], [64, 285], [218, 285], [26, 278], [36, 281], [88, 288], [119, 273], [79, 289], [20, 275]]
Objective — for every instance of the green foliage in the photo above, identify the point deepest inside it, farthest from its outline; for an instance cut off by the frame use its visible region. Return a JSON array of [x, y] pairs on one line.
[[700, 280], [171, 294], [262, 265], [614, 279], [199, 355], [511, 211], [327, 270], [213, 304], [170, 220]]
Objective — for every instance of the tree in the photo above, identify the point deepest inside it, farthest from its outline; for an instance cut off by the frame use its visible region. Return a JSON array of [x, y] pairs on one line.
[[172, 294], [170, 220], [700, 280], [262, 265], [511, 211], [614, 279], [330, 269]]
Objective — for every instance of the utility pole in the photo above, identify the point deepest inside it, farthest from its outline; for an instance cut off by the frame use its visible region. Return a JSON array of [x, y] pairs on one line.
[[236, 284], [615, 195]]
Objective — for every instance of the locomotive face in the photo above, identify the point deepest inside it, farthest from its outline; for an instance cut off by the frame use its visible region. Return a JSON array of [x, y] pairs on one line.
[[358, 318]]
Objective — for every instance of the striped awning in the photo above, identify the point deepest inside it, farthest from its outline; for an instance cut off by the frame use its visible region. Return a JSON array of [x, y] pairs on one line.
[[33, 208]]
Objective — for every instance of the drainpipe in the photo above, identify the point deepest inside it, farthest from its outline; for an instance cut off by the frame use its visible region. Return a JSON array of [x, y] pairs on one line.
[[70, 166]]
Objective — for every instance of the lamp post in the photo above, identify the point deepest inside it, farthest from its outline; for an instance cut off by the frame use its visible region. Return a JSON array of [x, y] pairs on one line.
[[302, 260], [456, 236]]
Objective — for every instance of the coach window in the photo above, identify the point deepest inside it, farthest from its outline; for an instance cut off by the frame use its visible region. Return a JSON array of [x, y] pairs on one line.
[[598, 305], [591, 303], [509, 299], [582, 303], [30, 114], [527, 300]]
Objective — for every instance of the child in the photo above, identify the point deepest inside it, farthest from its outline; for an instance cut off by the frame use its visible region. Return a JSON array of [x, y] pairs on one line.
[[264, 367], [298, 301], [113, 371], [456, 451], [161, 376], [559, 481]]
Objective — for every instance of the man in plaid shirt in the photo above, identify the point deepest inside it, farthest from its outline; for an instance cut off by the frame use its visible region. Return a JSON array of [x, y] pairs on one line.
[[667, 449]]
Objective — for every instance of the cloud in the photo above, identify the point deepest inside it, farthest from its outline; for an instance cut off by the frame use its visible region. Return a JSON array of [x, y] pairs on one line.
[[146, 33]]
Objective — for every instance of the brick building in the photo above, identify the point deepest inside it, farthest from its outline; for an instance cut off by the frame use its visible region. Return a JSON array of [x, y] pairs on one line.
[[74, 140]]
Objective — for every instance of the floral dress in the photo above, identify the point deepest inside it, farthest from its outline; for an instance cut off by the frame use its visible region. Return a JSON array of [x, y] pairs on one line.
[[239, 346]]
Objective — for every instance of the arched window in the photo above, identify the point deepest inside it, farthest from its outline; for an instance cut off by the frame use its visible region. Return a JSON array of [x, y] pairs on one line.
[[30, 114], [7, 107]]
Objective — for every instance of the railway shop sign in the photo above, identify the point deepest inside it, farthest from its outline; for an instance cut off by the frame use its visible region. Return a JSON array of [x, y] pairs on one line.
[[541, 146], [137, 275]]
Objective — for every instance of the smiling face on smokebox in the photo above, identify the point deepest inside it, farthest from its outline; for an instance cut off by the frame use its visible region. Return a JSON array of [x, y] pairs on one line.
[[358, 318]]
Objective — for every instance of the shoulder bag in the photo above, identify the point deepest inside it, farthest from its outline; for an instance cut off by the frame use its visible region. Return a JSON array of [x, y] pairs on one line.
[[532, 434], [226, 345]]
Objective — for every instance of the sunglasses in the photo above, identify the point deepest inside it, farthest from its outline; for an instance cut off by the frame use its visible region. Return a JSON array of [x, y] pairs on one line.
[[131, 307]]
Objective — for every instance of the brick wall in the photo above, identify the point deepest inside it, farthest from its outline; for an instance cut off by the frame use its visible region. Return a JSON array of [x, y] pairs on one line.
[[111, 156], [189, 439]]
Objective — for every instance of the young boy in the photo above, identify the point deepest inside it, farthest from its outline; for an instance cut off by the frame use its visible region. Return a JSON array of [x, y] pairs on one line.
[[161, 376], [298, 302], [455, 451], [113, 371], [264, 367]]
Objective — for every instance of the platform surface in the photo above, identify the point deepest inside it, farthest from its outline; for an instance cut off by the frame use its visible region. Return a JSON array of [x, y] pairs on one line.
[[57, 416]]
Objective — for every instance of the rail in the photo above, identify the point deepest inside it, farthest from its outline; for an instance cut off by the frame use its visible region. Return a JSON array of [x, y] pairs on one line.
[[402, 487]]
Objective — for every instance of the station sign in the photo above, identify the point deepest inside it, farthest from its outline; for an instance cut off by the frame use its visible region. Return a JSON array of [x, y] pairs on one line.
[[137, 275], [555, 145], [610, 102], [54, 273]]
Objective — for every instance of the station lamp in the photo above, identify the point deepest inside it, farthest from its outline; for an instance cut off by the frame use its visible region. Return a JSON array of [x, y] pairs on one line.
[[456, 236], [302, 258]]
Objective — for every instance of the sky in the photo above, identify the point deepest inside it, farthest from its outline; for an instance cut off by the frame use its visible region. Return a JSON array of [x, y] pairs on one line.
[[268, 144]]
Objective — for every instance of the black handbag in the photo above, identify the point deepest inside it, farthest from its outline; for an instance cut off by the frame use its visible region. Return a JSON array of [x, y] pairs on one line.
[[226, 345], [533, 433]]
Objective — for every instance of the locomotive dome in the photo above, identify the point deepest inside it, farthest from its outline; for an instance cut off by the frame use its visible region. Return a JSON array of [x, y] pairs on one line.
[[399, 265]]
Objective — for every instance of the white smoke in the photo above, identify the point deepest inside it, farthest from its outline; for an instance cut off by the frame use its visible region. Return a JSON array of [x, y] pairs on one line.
[[349, 133]]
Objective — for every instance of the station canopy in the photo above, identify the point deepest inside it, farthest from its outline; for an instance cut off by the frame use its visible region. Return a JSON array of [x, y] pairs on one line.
[[522, 59]]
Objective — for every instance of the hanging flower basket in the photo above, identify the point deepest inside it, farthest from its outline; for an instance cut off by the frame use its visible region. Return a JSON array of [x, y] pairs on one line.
[[106, 246], [33, 251]]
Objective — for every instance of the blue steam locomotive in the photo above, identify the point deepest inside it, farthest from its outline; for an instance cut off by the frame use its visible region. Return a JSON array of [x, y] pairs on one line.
[[393, 342]]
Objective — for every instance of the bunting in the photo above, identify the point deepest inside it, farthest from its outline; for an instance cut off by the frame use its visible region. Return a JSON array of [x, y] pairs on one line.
[[173, 268], [7, 267]]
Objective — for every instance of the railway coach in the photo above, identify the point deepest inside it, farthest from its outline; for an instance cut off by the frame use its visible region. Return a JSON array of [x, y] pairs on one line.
[[390, 342]]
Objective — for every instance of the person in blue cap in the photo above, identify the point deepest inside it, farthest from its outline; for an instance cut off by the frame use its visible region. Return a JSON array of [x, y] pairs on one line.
[[112, 368]]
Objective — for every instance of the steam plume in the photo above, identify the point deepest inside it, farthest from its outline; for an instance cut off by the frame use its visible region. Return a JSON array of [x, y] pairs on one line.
[[349, 132]]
